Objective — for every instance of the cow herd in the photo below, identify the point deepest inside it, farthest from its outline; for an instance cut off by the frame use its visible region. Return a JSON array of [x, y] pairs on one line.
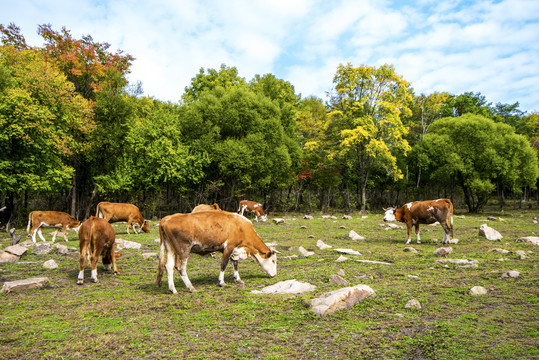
[[205, 230]]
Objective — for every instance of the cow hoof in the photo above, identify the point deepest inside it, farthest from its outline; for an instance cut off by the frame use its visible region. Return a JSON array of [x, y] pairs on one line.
[[192, 290], [80, 282], [222, 284], [95, 280]]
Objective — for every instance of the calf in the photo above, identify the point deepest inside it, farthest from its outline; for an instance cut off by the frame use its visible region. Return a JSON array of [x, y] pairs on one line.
[[57, 219], [255, 207], [96, 238], [204, 207], [424, 212], [204, 232], [114, 212]]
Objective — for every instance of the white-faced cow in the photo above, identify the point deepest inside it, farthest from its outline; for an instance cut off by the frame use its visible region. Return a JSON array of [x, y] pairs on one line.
[[205, 207], [424, 212], [114, 212], [255, 207], [57, 219], [205, 232], [96, 238]]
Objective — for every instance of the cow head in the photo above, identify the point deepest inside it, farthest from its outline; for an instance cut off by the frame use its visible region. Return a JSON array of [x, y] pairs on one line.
[[145, 226], [75, 226], [268, 262], [389, 214], [264, 217]]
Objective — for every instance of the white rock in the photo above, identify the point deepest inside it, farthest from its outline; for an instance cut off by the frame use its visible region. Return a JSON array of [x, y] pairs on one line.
[[347, 217], [322, 246], [413, 277], [148, 255], [374, 262], [50, 264], [453, 241], [511, 274], [338, 280], [24, 284], [521, 254], [340, 272], [126, 244], [304, 252], [501, 251], [413, 304], [393, 226], [478, 290], [62, 249], [355, 236], [410, 249], [340, 299], [7, 257], [42, 249], [534, 240], [278, 221], [16, 250], [348, 251], [341, 258], [443, 251], [286, 287], [489, 233], [457, 261], [308, 217]]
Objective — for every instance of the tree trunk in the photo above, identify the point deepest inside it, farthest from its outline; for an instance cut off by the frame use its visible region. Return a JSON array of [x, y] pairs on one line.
[[74, 196]]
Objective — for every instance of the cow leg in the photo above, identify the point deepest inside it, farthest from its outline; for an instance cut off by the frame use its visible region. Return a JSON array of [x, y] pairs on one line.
[[447, 232], [93, 261], [34, 231], [40, 234], [82, 262], [64, 229], [183, 274], [409, 228], [55, 233], [236, 273], [171, 261], [224, 262], [417, 232], [128, 225]]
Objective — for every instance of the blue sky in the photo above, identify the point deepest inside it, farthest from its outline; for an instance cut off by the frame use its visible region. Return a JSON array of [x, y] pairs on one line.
[[491, 47]]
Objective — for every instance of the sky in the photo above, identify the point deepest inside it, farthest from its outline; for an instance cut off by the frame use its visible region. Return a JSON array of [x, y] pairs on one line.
[[490, 47]]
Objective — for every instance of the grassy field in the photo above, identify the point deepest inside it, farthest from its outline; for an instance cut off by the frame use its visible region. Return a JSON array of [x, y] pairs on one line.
[[127, 316]]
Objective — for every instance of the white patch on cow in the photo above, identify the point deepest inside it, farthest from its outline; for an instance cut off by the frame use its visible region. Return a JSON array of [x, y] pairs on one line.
[[94, 275], [269, 265], [81, 277], [264, 218], [409, 205], [256, 205], [430, 208], [239, 254], [389, 215]]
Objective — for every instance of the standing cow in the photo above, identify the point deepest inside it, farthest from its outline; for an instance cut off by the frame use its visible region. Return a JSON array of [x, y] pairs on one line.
[[57, 219], [114, 212], [255, 207], [424, 212], [205, 207], [96, 238], [205, 232]]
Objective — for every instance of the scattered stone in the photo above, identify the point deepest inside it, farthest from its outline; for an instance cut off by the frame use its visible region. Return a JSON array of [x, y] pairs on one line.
[[534, 240], [521, 254], [50, 264], [326, 216], [157, 240], [393, 226], [62, 249], [8, 257], [489, 233], [340, 272], [286, 287], [148, 255], [434, 223], [491, 218], [16, 250], [413, 304], [304, 252], [478, 290], [338, 280], [340, 299], [42, 249], [342, 227], [501, 251], [410, 249], [310, 237], [126, 244], [413, 277], [322, 246], [348, 251], [511, 274], [364, 217], [341, 258], [290, 257], [24, 284], [347, 217], [443, 251], [374, 262], [453, 241], [303, 227], [365, 277], [308, 217], [278, 221], [457, 261], [354, 236]]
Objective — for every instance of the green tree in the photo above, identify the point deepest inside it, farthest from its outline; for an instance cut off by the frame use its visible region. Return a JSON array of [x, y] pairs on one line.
[[365, 126], [480, 154]]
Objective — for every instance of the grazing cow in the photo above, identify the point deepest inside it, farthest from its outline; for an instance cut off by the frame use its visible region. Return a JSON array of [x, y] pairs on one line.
[[204, 232], [255, 207], [57, 219], [114, 212], [96, 238], [204, 207], [424, 212]]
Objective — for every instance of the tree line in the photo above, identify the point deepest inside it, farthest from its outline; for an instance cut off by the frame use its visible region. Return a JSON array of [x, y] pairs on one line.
[[74, 131]]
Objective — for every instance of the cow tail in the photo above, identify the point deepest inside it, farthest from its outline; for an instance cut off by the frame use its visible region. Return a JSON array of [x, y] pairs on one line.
[[98, 211], [161, 266], [29, 221], [451, 223]]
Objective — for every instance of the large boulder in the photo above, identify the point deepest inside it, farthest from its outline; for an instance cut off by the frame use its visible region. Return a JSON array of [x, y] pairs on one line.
[[7, 257], [322, 246], [24, 284], [126, 244], [286, 287], [489, 233], [355, 236], [340, 299], [16, 250], [534, 240]]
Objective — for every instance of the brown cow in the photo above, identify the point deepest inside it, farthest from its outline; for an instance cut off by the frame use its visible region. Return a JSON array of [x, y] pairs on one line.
[[255, 207], [204, 207], [96, 238], [424, 212], [204, 232], [57, 219], [114, 212]]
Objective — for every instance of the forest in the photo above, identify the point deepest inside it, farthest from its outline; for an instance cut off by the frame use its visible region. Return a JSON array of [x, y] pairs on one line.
[[74, 131]]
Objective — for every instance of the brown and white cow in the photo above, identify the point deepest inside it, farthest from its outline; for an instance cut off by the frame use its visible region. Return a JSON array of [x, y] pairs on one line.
[[255, 207], [114, 212], [57, 219], [96, 238], [424, 212], [205, 207], [204, 232]]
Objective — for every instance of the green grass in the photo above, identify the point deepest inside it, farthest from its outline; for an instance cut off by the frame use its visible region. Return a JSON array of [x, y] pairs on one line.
[[127, 316]]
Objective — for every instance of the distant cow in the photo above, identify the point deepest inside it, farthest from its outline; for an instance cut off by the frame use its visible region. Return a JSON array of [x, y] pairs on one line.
[[204, 232], [424, 212], [114, 212], [255, 207], [96, 238], [57, 219], [204, 207]]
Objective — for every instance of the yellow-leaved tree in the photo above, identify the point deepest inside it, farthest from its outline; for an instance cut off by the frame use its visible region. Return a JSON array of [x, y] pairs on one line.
[[364, 131]]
